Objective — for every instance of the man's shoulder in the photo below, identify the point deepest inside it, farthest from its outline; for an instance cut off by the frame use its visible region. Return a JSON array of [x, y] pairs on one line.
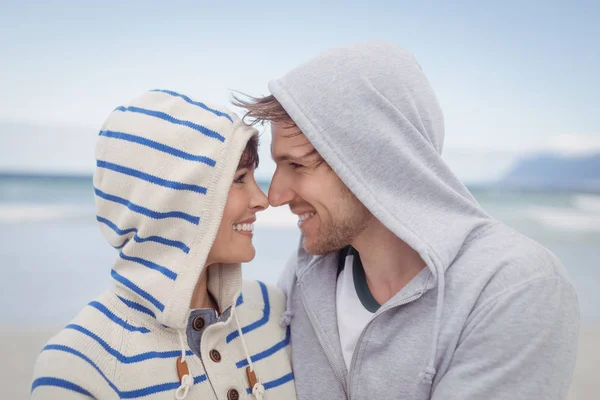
[[509, 250], [502, 259]]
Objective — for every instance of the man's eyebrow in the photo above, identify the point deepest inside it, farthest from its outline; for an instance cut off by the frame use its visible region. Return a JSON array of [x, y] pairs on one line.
[[288, 157]]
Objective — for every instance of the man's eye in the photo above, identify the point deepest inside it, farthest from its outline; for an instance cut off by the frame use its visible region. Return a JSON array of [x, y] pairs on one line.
[[295, 165], [240, 179]]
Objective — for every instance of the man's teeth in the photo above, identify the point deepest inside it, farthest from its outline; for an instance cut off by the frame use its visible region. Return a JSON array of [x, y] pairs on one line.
[[244, 227], [305, 216]]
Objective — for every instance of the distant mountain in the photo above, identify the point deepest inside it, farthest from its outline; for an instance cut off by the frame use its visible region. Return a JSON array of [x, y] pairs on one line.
[[553, 172]]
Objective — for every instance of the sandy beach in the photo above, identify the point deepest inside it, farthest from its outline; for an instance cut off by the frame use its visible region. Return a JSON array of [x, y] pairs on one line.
[[19, 348], [585, 384]]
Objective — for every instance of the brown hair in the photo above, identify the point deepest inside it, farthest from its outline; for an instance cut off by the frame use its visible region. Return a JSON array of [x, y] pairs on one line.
[[269, 109], [263, 109], [249, 157]]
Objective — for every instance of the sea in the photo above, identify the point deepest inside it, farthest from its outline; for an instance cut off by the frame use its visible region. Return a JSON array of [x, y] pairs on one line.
[[54, 259]]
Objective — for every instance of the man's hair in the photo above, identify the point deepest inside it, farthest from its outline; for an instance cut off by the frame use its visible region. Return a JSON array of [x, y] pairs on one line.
[[249, 157], [263, 109]]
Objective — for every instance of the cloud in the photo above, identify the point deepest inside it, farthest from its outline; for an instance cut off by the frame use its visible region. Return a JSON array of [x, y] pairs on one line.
[[573, 144]]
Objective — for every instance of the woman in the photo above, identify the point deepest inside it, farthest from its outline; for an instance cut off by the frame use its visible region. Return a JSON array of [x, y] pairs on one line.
[[176, 196]]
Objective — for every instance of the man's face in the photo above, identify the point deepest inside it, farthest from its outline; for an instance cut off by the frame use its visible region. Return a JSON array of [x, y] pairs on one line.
[[329, 215]]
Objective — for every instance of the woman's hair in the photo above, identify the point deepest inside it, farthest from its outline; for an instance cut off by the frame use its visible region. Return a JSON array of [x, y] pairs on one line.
[[249, 157]]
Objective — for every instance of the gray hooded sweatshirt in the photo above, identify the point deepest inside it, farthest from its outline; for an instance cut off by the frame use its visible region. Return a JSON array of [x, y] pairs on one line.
[[493, 316]]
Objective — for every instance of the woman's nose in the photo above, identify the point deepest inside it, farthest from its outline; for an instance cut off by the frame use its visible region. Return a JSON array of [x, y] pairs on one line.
[[259, 199]]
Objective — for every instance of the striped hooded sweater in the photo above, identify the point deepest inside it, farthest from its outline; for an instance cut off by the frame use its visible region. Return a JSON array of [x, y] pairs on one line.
[[165, 163]]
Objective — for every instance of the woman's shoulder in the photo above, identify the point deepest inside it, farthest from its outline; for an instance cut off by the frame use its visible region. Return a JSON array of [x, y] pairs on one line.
[[268, 298], [96, 327], [78, 358]]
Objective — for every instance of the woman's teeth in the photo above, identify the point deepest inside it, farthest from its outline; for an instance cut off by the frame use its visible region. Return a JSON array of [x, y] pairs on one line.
[[244, 227]]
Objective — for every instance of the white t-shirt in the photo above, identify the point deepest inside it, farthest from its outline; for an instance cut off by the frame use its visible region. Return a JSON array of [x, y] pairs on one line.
[[355, 305]]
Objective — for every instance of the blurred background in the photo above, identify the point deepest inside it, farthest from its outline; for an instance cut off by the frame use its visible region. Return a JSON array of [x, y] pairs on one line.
[[518, 83]]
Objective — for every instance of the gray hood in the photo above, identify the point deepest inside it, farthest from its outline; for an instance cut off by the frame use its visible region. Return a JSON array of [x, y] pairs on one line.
[[497, 306], [384, 110]]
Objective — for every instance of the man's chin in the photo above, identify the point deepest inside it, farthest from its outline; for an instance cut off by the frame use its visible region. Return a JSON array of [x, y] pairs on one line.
[[310, 246], [316, 247]]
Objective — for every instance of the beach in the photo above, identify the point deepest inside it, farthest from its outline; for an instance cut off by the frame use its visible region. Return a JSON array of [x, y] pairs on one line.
[[585, 384], [59, 261], [20, 347]]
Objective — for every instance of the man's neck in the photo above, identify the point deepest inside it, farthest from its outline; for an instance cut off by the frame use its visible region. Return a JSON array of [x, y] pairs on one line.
[[389, 263]]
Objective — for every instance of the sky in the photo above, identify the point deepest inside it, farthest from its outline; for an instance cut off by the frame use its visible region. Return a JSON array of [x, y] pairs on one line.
[[513, 78]]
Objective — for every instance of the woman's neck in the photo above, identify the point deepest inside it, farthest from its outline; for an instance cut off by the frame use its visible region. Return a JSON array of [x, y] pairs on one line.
[[201, 298]]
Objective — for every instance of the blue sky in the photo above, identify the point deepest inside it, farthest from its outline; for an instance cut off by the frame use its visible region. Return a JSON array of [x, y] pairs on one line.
[[512, 77]]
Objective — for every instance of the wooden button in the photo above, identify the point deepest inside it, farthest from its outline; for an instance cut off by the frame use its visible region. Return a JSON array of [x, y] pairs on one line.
[[215, 356], [199, 323], [233, 394]]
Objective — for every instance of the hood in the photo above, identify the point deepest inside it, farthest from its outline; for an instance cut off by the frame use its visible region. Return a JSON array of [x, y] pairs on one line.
[[371, 113], [164, 166]]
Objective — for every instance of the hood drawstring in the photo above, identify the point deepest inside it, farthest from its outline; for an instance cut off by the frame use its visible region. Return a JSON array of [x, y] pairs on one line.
[[258, 390], [182, 370], [286, 318], [429, 373]]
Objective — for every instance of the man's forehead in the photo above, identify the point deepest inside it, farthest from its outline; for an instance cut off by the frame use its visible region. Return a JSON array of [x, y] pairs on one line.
[[289, 142]]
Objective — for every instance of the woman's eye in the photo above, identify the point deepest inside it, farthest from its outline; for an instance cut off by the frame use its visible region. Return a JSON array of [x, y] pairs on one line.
[[240, 179]]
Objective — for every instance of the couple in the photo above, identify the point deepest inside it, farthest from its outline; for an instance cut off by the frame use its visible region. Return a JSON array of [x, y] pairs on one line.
[[402, 286]]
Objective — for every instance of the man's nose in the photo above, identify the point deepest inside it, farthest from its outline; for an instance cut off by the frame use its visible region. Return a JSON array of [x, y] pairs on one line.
[[280, 192]]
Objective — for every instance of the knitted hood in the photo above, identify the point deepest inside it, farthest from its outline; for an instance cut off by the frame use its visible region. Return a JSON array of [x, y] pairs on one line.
[[165, 163]]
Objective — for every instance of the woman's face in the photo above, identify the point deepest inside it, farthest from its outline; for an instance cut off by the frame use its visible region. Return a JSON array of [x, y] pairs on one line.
[[233, 243]]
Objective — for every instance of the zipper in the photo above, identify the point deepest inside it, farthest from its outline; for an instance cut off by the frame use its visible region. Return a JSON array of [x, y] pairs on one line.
[[325, 348], [359, 341]]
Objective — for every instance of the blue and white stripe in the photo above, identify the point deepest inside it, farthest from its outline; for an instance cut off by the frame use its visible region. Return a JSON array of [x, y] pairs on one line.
[[89, 348], [137, 290], [166, 117], [154, 161], [150, 178], [142, 141], [196, 103], [145, 211], [157, 194], [157, 239]]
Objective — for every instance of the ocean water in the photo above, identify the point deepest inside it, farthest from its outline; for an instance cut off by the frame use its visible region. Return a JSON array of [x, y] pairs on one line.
[[54, 259]]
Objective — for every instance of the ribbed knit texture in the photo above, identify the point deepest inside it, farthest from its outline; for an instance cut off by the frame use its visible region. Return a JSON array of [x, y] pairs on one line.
[[165, 163]]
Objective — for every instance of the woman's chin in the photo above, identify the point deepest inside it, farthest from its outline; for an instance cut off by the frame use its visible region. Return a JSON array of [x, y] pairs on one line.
[[244, 257], [240, 255], [250, 256]]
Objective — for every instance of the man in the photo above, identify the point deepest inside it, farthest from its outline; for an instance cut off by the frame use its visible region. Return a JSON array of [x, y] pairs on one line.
[[403, 287]]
